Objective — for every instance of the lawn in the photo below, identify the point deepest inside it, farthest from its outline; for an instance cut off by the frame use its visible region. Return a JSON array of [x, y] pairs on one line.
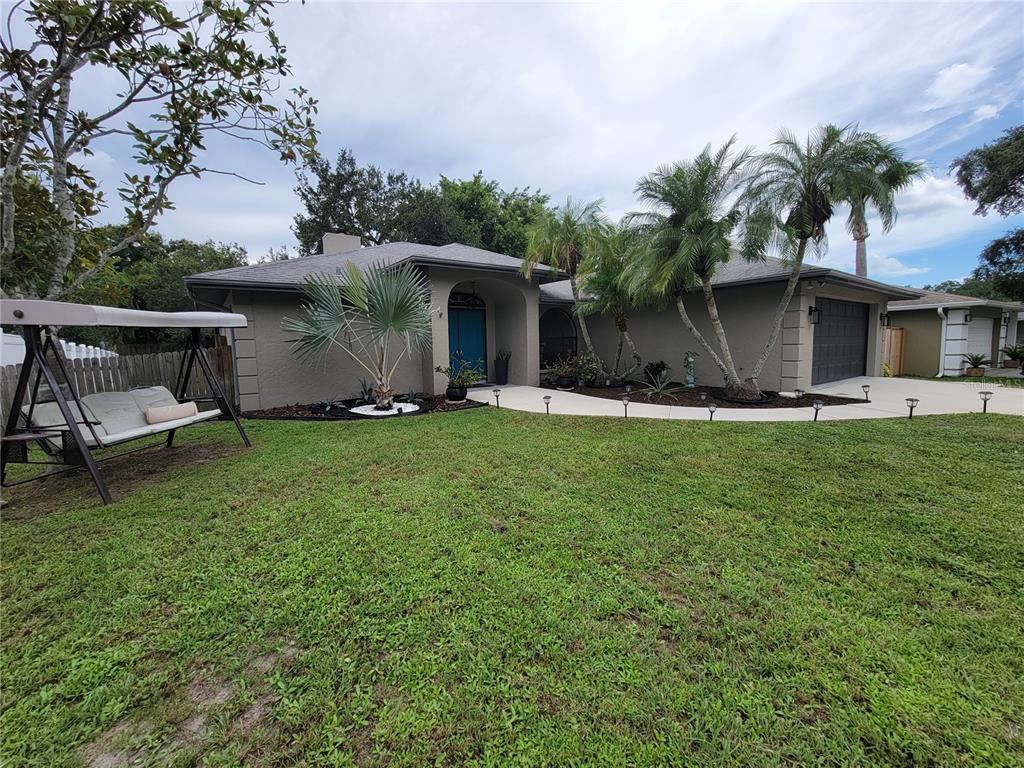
[[495, 588]]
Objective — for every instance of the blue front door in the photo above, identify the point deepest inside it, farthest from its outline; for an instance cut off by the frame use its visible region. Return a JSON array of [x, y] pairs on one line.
[[467, 339]]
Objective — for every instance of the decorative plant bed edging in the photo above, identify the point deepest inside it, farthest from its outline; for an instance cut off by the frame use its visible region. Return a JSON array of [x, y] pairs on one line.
[[317, 412], [690, 398]]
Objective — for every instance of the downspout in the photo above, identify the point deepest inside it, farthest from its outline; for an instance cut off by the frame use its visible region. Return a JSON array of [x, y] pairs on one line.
[[942, 343]]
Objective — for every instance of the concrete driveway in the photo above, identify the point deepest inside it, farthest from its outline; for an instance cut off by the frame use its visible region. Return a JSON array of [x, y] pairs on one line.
[[887, 400]]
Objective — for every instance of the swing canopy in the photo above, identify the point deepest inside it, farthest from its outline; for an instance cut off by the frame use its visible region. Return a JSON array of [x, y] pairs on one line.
[[43, 313], [108, 418]]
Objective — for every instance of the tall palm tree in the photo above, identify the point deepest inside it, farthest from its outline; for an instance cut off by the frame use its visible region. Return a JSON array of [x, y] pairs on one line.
[[363, 314], [560, 239], [894, 175], [604, 289], [802, 182], [694, 222]]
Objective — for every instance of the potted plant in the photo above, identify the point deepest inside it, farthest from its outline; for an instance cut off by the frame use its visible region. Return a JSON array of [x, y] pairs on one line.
[[564, 371], [1013, 355], [460, 375], [976, 363], [501, 367]]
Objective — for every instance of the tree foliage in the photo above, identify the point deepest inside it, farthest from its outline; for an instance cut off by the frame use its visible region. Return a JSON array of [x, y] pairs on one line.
[[385, 206], [214, 68], [993, 175], [349, 198], [1002, 263]]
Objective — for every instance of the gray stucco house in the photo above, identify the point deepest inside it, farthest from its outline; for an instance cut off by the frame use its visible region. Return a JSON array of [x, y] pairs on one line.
[[481, 303]]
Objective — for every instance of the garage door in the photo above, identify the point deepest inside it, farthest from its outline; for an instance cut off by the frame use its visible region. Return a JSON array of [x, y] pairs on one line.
[[840, 341], [979, 336]]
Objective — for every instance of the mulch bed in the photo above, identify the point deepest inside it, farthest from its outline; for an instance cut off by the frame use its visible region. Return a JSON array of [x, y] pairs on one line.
[[320, 411], [691, 398]]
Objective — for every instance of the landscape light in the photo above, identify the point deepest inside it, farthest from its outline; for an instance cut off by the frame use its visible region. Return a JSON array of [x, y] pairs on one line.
[[818, 405], [985, 397], [712, 407], [912, 404], [629, 388], [799, 393], [625, 406], [866, 388], [703, 396], [497, 394], [547, 404]]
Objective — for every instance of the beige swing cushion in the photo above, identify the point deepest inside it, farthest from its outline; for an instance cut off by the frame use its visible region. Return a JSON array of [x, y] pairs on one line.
[[121, 415]]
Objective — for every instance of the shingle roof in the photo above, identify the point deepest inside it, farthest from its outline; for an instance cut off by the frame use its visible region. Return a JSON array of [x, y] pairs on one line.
[[741, 272], [929, 299], [292, 272]]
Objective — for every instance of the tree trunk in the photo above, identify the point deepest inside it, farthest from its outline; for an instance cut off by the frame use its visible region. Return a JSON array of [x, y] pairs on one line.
[[583, 326], [862, 256], [636, 355], [62, 194], [733, 386], [698, 335], [780, 313], [383, 396]]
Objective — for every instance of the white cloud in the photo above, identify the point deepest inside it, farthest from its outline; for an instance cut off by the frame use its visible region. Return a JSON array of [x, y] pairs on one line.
[[986, 112], [955, 82]]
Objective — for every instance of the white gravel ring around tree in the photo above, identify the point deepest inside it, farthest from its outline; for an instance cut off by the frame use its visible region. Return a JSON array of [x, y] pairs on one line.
[[394, 410]]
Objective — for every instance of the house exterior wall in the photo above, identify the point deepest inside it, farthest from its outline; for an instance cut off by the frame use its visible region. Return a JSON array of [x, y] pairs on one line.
[[511, 321], [659, 334], [269, 373], [922, 333]]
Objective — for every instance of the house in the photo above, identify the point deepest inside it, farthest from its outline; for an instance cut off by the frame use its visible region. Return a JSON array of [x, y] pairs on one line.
[[940, 328], [831, 331], [482, 304]]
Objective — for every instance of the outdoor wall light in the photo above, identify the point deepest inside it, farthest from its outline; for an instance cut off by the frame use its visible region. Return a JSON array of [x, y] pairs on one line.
[[497, 394], [967, 317], [1006, 318], [625, 407], [912, 404], [884, 319], [547, 404], [712, 407], [865, 388], [818, 405], [814, 314], [799, 393], [985, 397]]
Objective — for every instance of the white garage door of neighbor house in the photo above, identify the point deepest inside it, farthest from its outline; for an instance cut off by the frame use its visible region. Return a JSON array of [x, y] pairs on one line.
[[979, 336]]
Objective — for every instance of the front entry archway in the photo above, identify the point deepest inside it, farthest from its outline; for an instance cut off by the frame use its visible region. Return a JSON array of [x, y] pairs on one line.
[[467, 332]]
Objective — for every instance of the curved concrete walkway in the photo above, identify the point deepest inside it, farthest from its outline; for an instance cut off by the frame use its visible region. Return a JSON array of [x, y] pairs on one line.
[[888, 398]]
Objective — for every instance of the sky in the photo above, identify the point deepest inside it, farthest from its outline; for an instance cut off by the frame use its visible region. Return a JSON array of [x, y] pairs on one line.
[[582, 100]]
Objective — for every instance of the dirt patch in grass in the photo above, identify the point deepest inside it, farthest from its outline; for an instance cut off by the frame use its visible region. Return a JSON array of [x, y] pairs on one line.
[[124, 475], [691, 398], [114, 747]]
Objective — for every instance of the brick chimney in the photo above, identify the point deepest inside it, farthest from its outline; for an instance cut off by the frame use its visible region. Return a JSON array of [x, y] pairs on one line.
[[335, 242]]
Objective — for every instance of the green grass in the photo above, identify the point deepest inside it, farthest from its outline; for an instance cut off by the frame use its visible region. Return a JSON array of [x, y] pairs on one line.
[[495, 588]]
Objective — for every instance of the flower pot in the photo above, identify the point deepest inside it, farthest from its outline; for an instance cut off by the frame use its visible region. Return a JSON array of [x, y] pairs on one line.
[[1011, 363], [455, 394], [500, 371], [974, 372], [565, 382]]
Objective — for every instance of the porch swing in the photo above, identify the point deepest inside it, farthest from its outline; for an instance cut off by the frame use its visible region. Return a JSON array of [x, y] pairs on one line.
[[109, 418]]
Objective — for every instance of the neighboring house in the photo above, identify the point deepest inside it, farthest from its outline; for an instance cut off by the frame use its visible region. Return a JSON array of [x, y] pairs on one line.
[[940, 328], [832, 329], [481, 304]]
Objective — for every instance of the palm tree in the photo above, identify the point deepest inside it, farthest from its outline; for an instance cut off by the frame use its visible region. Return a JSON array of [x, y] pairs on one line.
[[696, 216], [802, 183], [894, 175], [603, 285], [560, 239], [362, 313]]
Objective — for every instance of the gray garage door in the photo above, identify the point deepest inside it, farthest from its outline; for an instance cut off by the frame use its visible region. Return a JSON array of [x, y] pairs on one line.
[[840, 341]]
